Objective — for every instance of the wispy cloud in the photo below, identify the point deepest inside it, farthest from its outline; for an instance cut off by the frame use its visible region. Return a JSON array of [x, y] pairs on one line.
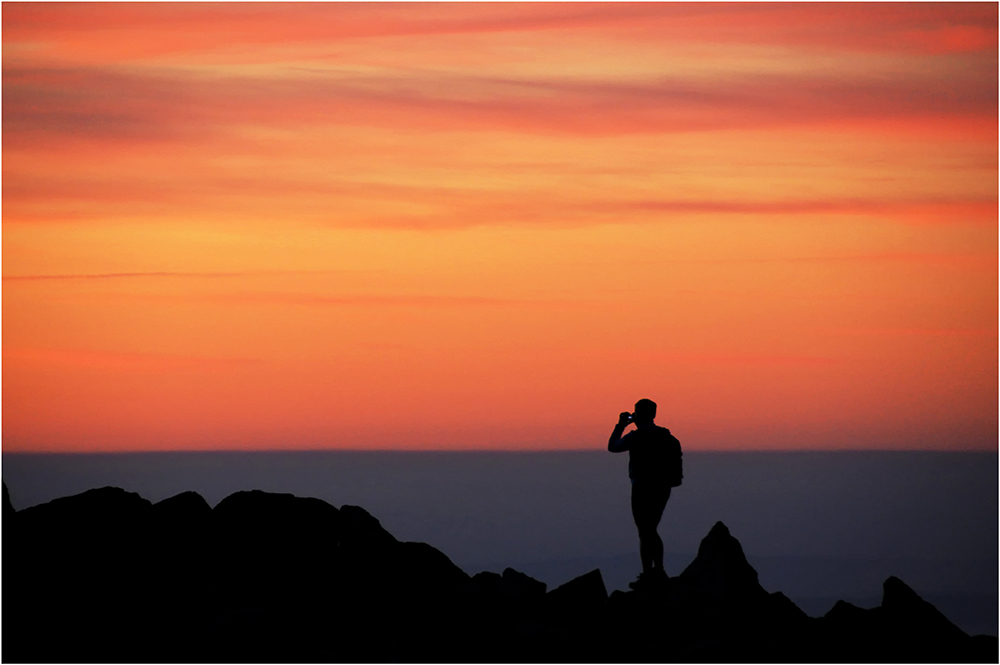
[[918, 332], [393, 205], [127, 362], [158, 29], [111, 105], [171, 274], [119, 275], [984, 261], [377, 300], [721, 359], [914, 210], [366, 300]]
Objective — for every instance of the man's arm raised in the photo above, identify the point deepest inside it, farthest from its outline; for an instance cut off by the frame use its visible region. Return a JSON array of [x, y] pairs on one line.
[[616, 444]]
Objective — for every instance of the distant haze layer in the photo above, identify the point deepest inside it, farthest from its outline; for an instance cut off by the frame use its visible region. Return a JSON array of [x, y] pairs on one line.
[[496, 226]]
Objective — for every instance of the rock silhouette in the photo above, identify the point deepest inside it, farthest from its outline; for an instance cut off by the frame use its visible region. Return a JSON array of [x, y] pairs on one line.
[[107, 576]]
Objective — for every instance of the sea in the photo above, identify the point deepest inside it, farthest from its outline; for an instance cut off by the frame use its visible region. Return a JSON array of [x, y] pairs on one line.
[[817, 526]]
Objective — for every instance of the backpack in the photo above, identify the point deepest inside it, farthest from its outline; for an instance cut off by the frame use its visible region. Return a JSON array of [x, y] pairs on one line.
[[675, 465]]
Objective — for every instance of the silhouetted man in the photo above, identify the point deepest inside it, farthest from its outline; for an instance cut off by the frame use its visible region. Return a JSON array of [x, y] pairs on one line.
[[654, 466]]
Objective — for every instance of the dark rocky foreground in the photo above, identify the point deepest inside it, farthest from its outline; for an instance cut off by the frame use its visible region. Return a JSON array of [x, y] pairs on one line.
[[107, 576]]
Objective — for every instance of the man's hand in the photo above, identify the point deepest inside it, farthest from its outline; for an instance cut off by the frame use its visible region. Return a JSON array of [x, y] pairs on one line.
[[624, 418]]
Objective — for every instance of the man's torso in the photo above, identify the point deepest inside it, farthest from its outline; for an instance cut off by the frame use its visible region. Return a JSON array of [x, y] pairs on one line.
[[653, 451]]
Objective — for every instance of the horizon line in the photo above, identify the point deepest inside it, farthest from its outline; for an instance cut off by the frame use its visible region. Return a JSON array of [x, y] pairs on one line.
[[492, 450]]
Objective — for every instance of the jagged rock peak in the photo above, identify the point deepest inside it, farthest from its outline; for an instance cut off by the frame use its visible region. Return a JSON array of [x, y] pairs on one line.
[[721, 568], [905, 606], [895, 593], [585, 590], [516, 583]]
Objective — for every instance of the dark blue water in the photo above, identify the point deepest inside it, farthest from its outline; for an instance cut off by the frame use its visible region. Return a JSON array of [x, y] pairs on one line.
[[817, 526]]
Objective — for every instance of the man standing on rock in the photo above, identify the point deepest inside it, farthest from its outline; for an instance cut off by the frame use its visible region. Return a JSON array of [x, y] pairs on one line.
[[654, 466]]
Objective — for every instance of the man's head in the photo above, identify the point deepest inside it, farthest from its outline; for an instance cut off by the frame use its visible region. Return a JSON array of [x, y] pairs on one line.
[[645, 411]]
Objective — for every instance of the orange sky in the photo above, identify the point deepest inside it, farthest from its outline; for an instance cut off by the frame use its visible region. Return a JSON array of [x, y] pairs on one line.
[[457, 226]]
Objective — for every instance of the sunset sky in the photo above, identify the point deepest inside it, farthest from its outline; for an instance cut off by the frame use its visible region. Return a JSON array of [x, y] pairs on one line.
[[467, 226]]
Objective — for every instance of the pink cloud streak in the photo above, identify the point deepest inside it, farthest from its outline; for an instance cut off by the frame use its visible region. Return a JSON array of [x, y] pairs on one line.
[[169, 28], [108, 105]]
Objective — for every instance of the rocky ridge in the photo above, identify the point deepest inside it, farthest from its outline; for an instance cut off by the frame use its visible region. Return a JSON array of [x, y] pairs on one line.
[[107, 576]]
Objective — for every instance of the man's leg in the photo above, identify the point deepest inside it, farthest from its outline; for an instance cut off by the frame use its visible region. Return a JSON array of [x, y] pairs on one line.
[[651, 542], [647, 509], [640, 514]]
